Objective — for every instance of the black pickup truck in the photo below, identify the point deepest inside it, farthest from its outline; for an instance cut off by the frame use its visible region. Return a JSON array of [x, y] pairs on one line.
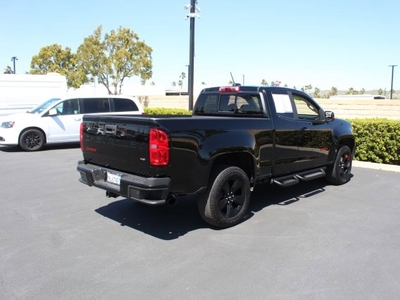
[[237, 136]]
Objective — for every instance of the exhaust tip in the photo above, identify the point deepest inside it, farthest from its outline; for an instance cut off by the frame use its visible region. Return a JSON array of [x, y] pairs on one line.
[[171, 200]]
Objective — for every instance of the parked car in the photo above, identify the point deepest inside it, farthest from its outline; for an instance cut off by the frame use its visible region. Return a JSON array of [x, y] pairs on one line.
[[58, 120]]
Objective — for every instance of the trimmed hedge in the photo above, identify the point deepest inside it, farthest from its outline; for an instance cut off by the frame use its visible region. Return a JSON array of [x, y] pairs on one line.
[[166, 111], [377, 140]]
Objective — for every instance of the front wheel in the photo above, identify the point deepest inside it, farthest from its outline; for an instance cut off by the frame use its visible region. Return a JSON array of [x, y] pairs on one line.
[[31, 140], [340, 171], [226, 202]]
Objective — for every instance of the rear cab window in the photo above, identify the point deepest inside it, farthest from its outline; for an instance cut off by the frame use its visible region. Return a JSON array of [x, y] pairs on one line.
[[229, 103]]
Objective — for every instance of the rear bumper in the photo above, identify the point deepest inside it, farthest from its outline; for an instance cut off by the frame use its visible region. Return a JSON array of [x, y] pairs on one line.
[[149, 190]]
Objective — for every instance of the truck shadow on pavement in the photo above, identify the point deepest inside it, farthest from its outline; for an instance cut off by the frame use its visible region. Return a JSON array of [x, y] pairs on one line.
[[170, 222]]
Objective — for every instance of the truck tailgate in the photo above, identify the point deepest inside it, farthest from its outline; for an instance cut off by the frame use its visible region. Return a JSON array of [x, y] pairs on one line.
[[117, 141]]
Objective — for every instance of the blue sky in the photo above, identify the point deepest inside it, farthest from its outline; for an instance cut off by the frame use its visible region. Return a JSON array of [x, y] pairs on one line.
[[323, 43]]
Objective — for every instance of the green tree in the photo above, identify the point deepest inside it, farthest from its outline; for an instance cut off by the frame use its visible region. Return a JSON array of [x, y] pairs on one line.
[[380, 92], [55, 58], [264, 82], [120, 55], [350, 91], [8, 70]]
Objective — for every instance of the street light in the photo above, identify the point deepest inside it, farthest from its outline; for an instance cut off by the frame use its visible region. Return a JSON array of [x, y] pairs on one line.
[[391, 85], [13, 59], [192, 15]]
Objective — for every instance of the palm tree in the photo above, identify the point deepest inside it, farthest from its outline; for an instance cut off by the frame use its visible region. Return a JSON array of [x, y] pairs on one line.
[[8, 70], [182, 77]]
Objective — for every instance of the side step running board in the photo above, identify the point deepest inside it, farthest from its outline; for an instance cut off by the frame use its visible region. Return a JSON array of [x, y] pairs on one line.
[[310, 176], [286, 181], [290, 180]]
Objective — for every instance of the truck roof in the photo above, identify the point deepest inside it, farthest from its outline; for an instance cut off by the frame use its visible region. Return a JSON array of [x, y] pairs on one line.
[[244, 88]]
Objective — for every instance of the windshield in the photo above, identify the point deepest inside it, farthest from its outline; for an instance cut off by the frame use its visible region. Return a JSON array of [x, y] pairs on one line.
[[43, 106]]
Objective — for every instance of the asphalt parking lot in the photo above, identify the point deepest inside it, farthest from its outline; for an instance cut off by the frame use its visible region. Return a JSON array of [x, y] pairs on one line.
[[60, 239]]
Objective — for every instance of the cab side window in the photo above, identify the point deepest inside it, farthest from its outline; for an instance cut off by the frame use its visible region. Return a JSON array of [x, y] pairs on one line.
[[305, 109], [283, 105], [121, 104]]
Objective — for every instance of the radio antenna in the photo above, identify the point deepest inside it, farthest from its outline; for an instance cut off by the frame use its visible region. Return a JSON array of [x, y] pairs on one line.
[[233, 80]]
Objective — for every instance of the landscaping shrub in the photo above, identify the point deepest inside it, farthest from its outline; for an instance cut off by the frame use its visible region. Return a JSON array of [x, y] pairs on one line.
[[166, 111], [377, 140]]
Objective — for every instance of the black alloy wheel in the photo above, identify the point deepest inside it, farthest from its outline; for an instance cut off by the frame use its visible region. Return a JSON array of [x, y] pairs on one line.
[[340, 171], [226, 202], [31, 140]]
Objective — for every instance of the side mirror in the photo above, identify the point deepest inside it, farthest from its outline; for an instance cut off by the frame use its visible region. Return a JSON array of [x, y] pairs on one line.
[[53, 112], [329, 115]]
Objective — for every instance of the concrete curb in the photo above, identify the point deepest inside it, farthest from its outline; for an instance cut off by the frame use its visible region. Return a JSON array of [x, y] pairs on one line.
[[376, 166]]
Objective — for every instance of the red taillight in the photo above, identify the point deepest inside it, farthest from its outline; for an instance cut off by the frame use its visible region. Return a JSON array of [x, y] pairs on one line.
[[158, 147], [81, 129], [229, 89]]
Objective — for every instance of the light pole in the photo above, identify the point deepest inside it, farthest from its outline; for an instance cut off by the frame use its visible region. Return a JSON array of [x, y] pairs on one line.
[[192, 15], [13, 59], [391, 84]]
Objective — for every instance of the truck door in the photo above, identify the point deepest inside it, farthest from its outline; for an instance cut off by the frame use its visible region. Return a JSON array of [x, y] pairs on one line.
[[315, 135], [287, 133]]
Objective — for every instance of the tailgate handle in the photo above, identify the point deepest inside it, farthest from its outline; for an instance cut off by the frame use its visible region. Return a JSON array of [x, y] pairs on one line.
[[110, 129]]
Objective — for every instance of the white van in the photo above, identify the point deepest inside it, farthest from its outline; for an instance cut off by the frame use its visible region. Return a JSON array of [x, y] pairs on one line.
[[58, 120], [20, 92]]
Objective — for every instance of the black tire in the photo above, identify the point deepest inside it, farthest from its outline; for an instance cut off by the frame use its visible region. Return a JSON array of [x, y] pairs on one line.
[[31, 140], [340, 171], [226, 202]]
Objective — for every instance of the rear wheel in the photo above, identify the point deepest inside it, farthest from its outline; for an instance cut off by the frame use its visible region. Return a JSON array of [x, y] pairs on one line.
[[226, 202], [340, 171], [31, 140]]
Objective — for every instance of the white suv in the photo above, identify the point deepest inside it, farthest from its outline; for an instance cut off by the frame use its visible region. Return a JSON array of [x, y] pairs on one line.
[[58, 120]]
